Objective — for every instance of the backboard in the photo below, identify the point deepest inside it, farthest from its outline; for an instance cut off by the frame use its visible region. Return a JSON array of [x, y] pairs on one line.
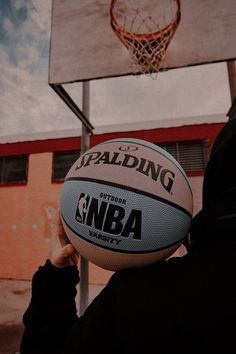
[[84, 47]]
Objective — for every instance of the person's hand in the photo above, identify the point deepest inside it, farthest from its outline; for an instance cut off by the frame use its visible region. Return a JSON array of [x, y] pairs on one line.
[[65, 256]]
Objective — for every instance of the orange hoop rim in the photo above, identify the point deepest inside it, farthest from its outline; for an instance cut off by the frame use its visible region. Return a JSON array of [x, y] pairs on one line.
[[143, 36]]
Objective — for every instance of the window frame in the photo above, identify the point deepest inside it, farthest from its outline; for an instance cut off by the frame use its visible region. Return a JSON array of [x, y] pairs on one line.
[[6, 169], [177, 145], [59, 178]]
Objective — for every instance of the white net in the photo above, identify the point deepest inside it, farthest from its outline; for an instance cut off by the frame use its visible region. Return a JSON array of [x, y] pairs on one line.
[[145, 31]]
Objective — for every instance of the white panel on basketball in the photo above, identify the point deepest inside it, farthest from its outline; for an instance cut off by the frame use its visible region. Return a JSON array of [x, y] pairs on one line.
[[126, 202]]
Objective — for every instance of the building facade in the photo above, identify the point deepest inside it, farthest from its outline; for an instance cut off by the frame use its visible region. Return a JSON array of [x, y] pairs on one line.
[[32, 172]]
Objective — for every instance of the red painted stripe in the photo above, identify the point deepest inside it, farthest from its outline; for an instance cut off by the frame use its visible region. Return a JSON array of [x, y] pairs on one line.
[[158, 135]]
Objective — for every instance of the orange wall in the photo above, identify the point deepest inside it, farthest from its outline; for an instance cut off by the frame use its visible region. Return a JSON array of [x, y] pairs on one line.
[[28, 223], [25, 222]]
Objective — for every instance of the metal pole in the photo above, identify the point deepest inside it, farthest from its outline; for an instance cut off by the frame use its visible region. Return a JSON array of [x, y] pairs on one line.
[[232, 78], [84, 147]]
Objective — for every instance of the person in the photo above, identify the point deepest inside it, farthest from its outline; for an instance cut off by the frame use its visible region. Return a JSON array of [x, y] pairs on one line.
[[183, 304]]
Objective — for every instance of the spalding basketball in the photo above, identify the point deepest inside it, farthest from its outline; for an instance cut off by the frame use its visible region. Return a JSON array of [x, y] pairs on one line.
[[126, 203]]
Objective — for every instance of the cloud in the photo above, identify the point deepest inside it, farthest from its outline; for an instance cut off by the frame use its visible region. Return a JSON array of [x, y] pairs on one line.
[[28, 104]]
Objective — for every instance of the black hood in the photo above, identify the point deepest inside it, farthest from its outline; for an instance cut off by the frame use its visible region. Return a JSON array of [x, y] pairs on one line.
[[219, 185]]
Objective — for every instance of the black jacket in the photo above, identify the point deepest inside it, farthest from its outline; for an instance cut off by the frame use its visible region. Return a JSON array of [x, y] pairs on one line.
[[185, 304]]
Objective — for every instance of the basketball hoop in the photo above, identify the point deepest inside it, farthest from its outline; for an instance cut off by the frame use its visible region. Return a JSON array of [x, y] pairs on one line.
[[145, 28]]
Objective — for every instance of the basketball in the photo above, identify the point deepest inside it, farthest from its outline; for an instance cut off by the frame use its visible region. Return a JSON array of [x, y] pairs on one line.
[[126, 203]]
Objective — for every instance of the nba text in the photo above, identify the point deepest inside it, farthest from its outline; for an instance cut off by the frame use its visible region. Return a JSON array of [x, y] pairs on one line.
[[109, 218]]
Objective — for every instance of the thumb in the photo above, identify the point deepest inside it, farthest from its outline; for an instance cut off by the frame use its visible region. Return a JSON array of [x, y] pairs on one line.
[[65, 256]]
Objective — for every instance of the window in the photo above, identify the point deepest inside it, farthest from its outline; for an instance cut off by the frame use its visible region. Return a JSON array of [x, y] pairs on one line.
[[190, 155], [62, 162], [13, 169]]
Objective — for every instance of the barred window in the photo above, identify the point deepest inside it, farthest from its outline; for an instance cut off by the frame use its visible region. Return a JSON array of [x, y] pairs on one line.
[[190, 155], [14, 169], [62, 162]]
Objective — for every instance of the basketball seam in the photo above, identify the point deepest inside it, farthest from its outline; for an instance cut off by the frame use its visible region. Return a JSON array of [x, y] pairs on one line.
[[135, 190], [120, 250]]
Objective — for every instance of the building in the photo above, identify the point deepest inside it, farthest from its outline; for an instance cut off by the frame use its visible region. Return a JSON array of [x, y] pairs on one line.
[[32, 172]]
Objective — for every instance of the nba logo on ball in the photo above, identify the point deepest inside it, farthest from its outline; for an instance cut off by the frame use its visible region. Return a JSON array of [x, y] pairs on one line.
[[126, 203], [82, 208]]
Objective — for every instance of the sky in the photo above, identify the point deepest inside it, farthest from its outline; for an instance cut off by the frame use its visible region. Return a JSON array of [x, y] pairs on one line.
[[29, 105]]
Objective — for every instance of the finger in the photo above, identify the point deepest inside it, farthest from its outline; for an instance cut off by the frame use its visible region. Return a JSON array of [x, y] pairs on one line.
[[71, 253]]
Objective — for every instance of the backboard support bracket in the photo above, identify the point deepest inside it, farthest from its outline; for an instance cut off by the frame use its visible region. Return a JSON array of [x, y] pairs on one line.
[[63, 94]]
